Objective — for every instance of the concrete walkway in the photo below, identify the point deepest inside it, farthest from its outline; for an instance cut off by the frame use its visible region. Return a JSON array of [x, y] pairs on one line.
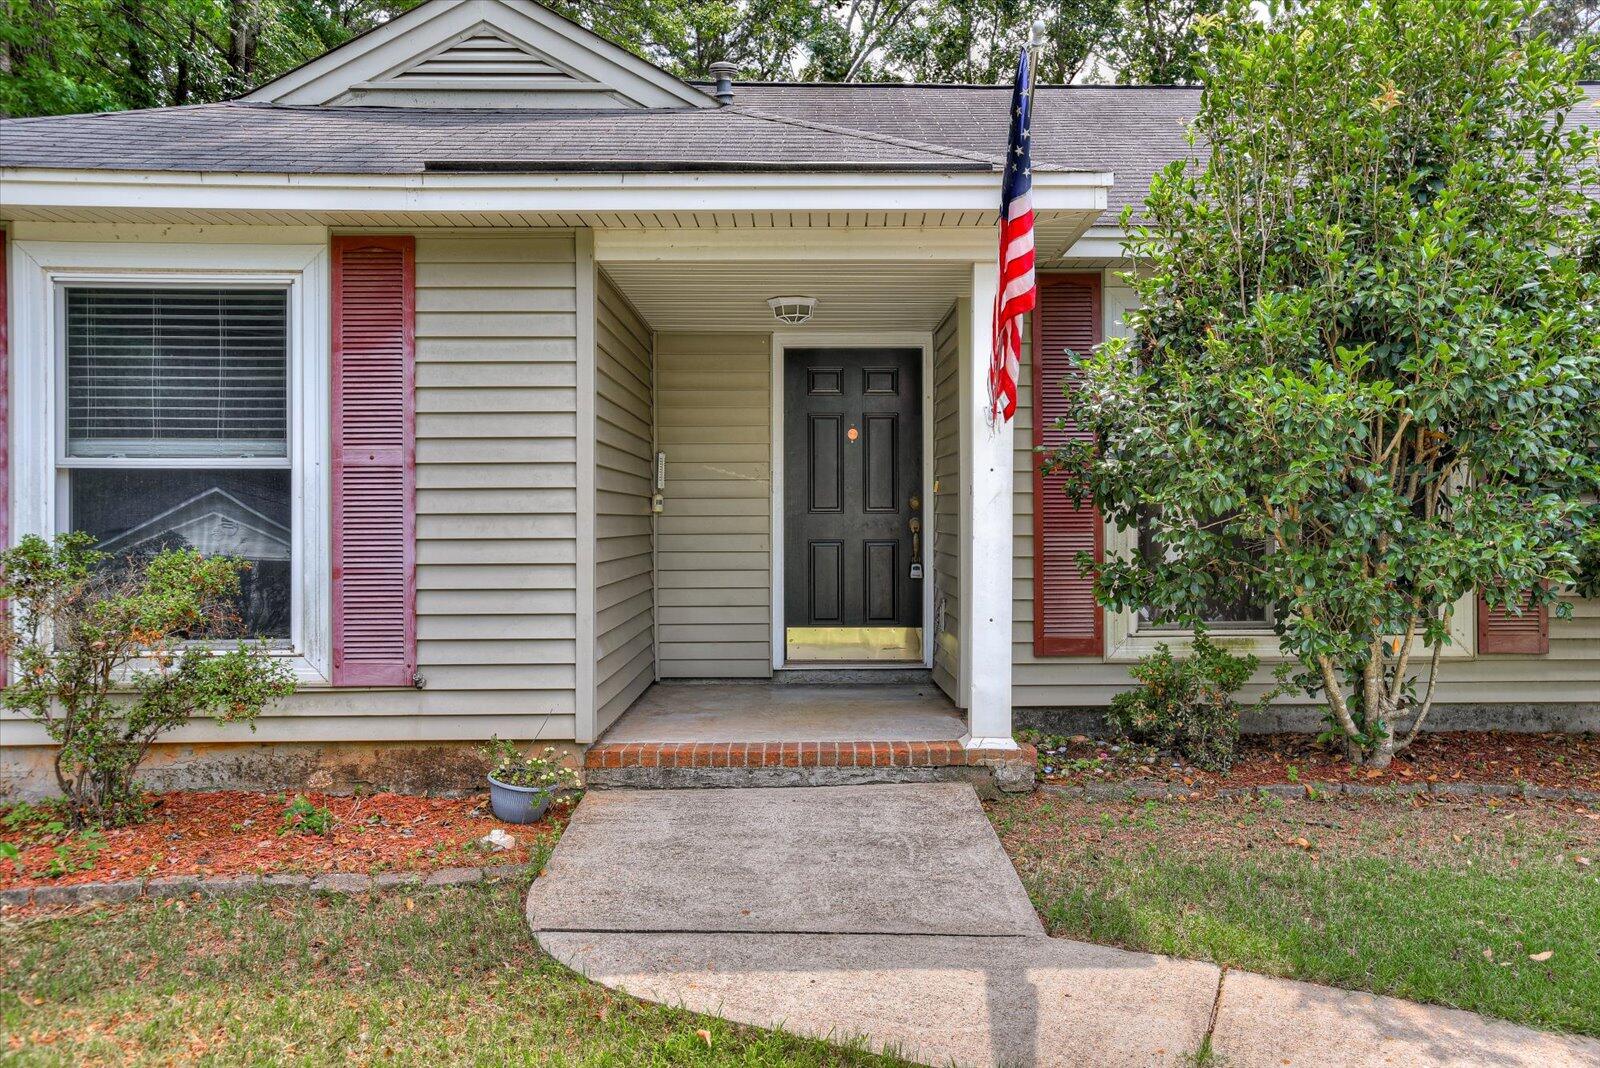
[[891, 914]]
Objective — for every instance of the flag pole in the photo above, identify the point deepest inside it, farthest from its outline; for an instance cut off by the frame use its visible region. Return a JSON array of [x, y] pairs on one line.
[[1003, 366], [1035, 39]]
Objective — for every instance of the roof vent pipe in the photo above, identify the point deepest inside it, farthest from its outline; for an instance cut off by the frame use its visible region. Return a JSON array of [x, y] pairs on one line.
[[723, 71]]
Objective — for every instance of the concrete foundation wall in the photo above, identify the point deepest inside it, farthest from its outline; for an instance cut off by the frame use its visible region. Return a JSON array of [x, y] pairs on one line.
[[431, 768]]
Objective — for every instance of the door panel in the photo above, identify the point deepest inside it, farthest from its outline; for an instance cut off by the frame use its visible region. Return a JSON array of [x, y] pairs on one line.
[[880, 469], [853, 469], [826, 463], [880, 564], [826, 579]]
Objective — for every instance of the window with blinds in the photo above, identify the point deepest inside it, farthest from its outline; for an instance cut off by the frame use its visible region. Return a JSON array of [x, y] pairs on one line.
[[181, 373]]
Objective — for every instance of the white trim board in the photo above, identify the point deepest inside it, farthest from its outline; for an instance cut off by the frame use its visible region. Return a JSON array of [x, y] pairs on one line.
[[373, 58], [584, 666], [1081, 193], [859, 339], [1126, 643], [323, 728]]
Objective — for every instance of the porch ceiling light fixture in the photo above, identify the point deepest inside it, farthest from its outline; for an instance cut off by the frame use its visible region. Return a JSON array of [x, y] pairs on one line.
[[792, 310]]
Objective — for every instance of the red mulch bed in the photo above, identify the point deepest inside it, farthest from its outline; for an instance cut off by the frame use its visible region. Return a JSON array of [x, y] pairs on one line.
[[233, 832], [1561, 761]]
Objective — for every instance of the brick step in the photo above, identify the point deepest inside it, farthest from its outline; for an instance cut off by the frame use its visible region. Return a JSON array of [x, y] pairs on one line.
[[714, 764], [797, 755]]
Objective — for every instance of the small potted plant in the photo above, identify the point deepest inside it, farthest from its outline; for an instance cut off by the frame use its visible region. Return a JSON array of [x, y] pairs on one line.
[[521, 786]]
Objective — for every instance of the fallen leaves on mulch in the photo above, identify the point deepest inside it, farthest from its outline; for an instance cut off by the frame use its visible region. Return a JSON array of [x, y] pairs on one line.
[[235, 832], [1562, 761]]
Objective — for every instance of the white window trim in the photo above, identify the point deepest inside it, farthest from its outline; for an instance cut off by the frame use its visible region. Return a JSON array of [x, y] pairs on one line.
[[1125, 642], [41, 269]]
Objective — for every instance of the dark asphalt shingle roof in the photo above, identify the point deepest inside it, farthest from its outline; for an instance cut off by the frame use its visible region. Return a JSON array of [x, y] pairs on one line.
[[1131, 131], [278, 138]]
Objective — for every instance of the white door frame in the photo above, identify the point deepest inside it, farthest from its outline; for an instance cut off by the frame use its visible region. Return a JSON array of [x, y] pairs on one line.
[[849, 339]]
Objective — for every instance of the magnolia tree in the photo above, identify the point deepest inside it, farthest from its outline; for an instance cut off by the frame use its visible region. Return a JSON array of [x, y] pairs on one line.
[[1365, 377]]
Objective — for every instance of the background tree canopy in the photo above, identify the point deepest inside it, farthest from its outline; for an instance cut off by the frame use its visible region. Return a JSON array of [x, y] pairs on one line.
[[62, 56]]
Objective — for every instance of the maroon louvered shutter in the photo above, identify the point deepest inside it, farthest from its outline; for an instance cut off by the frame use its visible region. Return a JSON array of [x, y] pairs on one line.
[[1500, 631], [374, 462], [1066, 619]]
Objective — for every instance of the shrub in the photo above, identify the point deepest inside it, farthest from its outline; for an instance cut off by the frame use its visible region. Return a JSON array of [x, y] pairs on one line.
[[1186, 705], [509, 765], [108, 656]]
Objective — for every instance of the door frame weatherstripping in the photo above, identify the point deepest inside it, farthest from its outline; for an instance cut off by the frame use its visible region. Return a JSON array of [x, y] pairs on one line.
[[848, 339]]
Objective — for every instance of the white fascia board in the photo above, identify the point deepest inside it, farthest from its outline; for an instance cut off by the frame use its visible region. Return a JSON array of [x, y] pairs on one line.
[[1099, 242], [604, 60], [283, 89], [1074, 191], [407, 37]]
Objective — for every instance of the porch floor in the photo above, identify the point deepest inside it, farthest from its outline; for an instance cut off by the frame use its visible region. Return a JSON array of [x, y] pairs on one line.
[[779, 712], [789, 734]]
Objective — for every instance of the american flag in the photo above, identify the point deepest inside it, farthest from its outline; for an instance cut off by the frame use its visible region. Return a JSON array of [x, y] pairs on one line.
[[1018, 292]]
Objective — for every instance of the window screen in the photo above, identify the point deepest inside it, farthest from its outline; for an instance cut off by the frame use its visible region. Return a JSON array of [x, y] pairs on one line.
[[176, 372], [134, 514]]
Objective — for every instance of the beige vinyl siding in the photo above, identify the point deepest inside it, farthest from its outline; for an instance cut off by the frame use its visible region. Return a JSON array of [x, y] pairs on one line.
[[496, 467], [713, 541], [624, 602], [947, 504], [496, 500], [1569, 673], [1050, 681]]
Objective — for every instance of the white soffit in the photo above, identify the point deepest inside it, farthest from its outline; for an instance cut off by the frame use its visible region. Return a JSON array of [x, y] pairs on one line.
[[850, 295], [481, 53]]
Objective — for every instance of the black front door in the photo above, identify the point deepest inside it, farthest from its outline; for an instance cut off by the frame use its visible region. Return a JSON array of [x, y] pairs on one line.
[[852, 487]]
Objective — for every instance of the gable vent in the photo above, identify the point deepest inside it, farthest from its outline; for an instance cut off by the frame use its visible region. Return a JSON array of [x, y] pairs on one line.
[[483, 57]]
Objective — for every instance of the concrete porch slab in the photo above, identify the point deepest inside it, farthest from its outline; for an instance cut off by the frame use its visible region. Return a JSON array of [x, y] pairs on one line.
[[905, 859], [765, 712], [938, 1000]]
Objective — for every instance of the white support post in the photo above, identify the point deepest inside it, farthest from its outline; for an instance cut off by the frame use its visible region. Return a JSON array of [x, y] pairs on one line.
[[986, 507]]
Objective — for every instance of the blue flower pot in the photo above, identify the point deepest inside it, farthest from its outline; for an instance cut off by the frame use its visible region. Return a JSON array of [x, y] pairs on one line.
[[518, 804]]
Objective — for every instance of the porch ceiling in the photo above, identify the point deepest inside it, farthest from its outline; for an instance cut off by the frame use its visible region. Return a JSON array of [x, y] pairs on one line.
[[851, 295]]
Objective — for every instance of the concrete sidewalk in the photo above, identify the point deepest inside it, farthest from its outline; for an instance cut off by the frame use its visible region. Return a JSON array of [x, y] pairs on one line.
[[891, 914]]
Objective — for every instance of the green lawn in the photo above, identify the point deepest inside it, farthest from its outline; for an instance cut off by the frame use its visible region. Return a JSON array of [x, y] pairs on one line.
[[1385, 896], [446, 977]]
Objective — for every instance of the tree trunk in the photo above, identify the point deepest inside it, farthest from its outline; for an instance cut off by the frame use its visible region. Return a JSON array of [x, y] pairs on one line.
[[241, 50], [1381, 755], [180, 82]]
